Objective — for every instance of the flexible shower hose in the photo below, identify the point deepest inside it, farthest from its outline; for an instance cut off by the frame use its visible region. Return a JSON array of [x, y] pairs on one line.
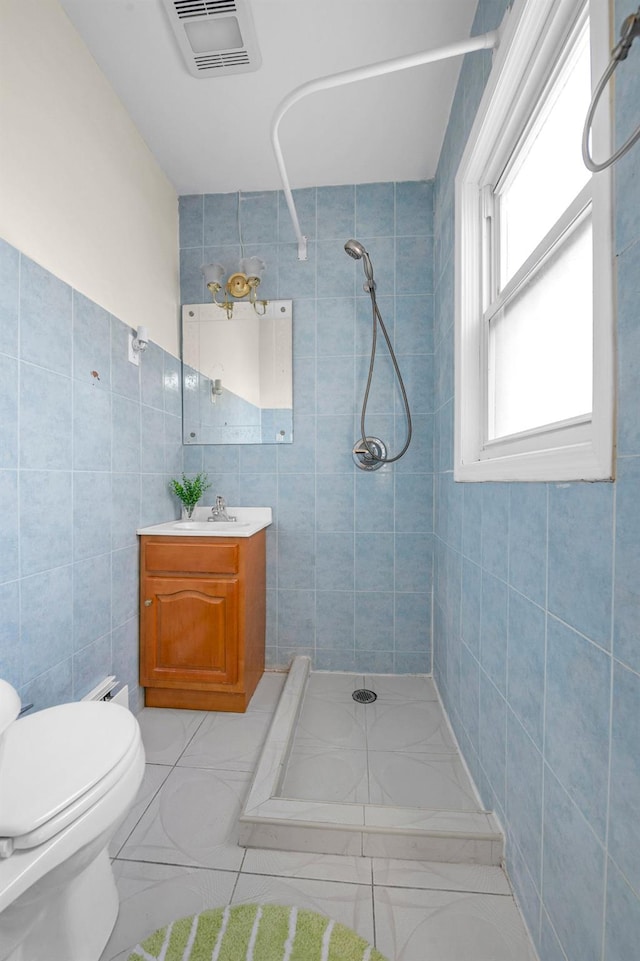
[[629, 31], [377, 319]]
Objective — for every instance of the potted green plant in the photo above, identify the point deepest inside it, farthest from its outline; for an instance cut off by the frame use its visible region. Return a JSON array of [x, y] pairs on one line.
[[190, 490]]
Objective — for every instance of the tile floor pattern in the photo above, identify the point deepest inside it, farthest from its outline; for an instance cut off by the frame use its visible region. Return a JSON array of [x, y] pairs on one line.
[[397, 750], [176, 853]]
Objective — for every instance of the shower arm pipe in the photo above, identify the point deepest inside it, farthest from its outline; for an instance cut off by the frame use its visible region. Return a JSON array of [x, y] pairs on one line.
[[486, 41]]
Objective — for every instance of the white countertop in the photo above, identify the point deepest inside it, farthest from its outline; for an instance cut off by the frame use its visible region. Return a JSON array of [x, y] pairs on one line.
[[249, 520]]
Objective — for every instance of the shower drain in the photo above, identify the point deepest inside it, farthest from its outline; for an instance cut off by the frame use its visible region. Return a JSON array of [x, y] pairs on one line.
[[363, 696]]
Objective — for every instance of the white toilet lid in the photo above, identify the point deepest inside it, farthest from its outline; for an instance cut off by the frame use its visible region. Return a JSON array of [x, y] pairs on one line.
[[51, 759]]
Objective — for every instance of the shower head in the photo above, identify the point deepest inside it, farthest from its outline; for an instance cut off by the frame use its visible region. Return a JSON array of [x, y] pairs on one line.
[[355, 249]]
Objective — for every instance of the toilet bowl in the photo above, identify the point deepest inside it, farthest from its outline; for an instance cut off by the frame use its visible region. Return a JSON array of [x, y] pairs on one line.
[[68, 776]]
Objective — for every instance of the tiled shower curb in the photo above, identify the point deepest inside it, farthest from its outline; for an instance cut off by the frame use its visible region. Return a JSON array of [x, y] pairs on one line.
[[323, 827]]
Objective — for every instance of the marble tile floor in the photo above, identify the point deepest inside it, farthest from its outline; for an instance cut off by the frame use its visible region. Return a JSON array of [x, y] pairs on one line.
[[176, 853]]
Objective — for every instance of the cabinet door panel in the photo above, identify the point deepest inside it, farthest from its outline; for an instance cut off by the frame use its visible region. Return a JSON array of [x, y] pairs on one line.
[[190, 632]]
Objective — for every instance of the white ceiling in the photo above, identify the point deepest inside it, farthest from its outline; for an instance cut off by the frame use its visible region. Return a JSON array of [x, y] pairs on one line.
[[213, 135]]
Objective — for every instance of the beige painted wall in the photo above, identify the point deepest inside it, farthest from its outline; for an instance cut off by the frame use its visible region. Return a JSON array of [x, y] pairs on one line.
[[80, 193]]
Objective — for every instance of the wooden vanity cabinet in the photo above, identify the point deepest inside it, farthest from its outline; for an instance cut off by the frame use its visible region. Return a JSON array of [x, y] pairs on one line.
[[202, 620]]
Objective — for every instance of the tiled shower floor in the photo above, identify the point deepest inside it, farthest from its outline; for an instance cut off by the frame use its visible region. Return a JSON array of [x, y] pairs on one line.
[[396, 751], [377, 780]]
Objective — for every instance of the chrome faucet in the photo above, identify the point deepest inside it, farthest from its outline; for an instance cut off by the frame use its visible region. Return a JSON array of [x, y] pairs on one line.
[[219, 512]]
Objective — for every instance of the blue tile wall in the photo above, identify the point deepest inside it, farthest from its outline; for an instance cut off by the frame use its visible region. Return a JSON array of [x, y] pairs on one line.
[[540, 672], [350, 553], [88, 443]]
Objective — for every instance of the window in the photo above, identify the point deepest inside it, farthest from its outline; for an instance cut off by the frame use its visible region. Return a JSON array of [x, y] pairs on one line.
[[534, 316]]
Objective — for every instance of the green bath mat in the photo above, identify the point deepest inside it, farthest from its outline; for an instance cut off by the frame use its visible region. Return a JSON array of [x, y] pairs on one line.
[[255, 932]]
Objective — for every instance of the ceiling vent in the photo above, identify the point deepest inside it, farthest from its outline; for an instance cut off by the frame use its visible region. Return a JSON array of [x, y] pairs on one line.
[[216, 37]]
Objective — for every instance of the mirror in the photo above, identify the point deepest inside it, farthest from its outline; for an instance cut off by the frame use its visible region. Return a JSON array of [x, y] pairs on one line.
[[237, 374]]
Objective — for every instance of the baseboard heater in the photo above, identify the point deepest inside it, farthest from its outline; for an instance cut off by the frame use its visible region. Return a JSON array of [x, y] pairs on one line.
[[106, 691]]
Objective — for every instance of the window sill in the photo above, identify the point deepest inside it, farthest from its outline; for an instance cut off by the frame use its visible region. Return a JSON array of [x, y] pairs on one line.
[[580, 462]]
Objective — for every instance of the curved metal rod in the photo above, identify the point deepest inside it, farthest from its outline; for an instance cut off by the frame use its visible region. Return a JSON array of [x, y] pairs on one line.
[[484, 42], [629, 31]]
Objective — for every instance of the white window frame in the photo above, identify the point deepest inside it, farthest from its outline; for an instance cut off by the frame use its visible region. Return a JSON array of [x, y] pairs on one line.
[[581, 448]]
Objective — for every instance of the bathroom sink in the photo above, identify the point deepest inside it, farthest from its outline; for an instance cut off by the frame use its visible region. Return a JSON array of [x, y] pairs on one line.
[[249, 520], [210, 527]]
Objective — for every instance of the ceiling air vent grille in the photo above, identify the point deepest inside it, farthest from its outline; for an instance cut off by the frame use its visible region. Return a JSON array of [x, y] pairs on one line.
[[203, 8], [216, 37], [220, 60]]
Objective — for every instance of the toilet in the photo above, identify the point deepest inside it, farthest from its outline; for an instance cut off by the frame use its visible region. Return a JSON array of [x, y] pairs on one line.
[[68, 776]]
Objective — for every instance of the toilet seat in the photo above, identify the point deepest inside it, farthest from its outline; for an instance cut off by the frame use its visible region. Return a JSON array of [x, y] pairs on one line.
[[56, 764]]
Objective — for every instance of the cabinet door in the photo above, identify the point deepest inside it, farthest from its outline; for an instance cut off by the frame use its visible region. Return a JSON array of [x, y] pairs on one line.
[[189, 632]]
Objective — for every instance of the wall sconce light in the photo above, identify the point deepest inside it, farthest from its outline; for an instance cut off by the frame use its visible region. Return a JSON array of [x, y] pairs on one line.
[[243, 283], [138, 345]]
